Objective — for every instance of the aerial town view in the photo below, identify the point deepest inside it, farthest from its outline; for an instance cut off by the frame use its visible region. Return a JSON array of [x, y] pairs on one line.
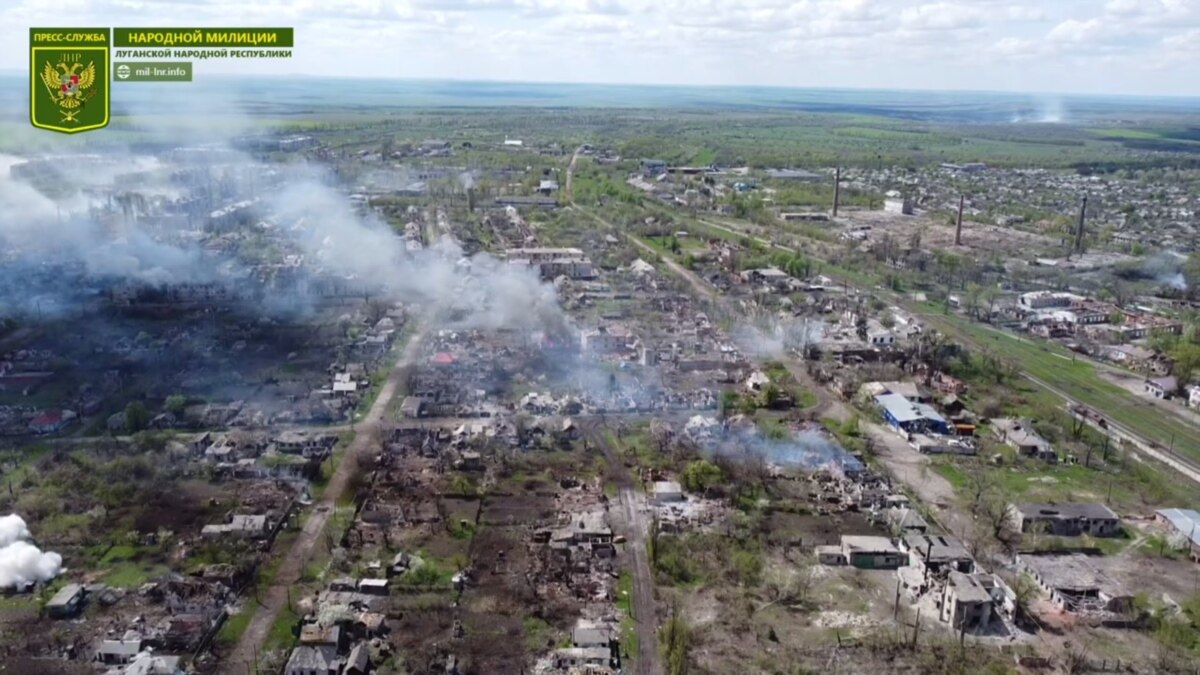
[[465, 369]]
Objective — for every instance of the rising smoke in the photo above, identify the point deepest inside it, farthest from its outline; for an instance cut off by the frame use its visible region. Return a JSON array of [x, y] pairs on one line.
[[302, 207], [772, 337], [1047, 110], [807, 449], [21, 562]]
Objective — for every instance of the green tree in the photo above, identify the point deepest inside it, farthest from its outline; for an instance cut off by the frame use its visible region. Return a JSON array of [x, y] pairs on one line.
[[772, 394], [748, 566], [729, 403], [1186, 358], [136, 417], [675, 637], [175, 403], [701, 476]]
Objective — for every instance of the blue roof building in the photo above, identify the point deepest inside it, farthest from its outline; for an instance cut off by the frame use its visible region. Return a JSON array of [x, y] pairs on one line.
[[911, 417]]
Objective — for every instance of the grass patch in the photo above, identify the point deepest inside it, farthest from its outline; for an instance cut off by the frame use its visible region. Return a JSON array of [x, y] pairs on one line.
[[235, 624], [539, 634], [132, 574], [628, 627], [281, 635]]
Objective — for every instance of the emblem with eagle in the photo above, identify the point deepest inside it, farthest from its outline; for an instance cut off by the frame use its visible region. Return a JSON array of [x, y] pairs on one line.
[[69, 87]]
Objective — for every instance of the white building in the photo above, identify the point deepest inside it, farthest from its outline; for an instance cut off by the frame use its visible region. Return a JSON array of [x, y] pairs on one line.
[[667, 491], [896, 203]]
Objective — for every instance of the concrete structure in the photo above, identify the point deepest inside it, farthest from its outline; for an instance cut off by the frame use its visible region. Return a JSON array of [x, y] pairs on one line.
[[554, 262], [148, 663], [1066, 520], [770, 276], [879, 335], [830, 555], [583, 658], [1019, 435], [966, 603], [251, 527], [118, 652], [896, 203], [1076, 582], [666, 491], [652, 167], [66, 603], [1193, 392], [939, 554], [313, 660], [1162, 387], [539, 201], [1044, 299], [1185, 524], [942, 445], [904, 520], [872, 552], [792, 174]]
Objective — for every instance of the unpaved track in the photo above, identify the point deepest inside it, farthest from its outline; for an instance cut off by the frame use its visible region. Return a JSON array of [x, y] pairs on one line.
[[631, 519], [645, 615], [275, 597]]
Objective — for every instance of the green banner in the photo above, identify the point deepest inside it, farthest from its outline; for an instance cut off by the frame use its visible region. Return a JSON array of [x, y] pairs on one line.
[[68, 37], [202, 37], [152, 71], [68, 78]]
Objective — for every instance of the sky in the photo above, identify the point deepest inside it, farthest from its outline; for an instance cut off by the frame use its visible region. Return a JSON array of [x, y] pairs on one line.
[[1133, 47]]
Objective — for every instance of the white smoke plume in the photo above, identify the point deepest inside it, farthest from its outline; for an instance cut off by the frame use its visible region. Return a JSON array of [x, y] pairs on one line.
[[310, 214], [773, 337], [478, 292], [1166, 268], [22, 563]]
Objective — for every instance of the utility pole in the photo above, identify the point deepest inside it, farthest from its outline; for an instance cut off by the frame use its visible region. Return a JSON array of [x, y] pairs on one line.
[[958, 224], [837, 189], [896, 606], [1079, 230], [916, 628]]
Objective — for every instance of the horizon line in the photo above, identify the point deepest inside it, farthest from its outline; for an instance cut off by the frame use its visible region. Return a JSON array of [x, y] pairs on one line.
[[650, 85]]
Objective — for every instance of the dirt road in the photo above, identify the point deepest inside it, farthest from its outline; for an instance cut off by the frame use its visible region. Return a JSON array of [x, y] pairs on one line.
[[915, 470], [571, 175], [645, 616], [631, 519], [275, 597]]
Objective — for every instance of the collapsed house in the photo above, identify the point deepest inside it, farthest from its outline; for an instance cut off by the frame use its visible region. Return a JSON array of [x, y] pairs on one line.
[[1077, 583]]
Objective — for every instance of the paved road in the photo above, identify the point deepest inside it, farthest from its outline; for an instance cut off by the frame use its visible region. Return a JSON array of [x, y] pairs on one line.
[[275, 597]]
